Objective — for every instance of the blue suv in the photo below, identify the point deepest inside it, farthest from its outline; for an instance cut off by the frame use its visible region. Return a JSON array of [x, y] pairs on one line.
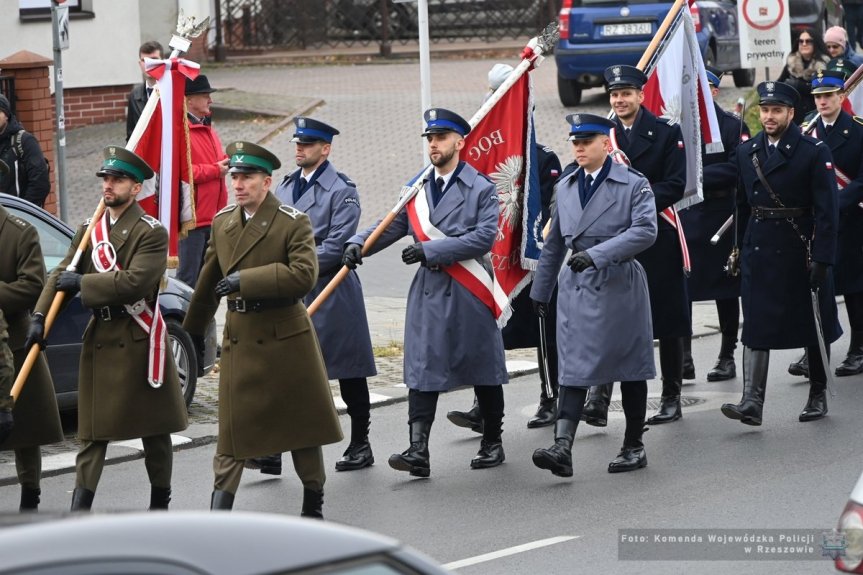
[[596, 34]]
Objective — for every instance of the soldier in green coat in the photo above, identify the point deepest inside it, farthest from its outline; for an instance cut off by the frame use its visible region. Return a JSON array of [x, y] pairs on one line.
[[127, 380], [273, 390], [34, 420]]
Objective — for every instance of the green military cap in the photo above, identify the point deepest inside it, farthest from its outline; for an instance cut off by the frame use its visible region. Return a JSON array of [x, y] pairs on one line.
[[247, 157], [123, 163], [4, 168], [843, 65]]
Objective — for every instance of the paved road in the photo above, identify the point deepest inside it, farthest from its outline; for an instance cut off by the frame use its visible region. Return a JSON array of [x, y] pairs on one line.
[[705, 472]]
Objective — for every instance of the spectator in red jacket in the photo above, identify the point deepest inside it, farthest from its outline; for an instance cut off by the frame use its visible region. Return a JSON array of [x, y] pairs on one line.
[[209, 166]]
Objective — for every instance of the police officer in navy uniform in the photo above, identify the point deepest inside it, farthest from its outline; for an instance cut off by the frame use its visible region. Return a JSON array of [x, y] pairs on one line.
[[331, 201], [787, 204], [522, 329], [709, 280], [843, 134], [654, 148], [605, 215], [451, 336]]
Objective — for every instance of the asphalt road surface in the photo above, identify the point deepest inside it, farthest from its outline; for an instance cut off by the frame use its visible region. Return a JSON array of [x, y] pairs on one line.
[[704, 472]]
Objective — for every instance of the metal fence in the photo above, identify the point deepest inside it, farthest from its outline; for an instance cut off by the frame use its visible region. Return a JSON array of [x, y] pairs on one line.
[[7, 88], [257, 25]]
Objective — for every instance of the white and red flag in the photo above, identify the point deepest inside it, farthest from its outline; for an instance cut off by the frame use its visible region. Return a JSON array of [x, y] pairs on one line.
[[502, 146], [164, 145]]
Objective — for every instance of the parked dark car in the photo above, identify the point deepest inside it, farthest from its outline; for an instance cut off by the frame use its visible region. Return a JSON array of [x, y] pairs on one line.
[[816, 14], [596, 34], [64, 340], [201, 543]]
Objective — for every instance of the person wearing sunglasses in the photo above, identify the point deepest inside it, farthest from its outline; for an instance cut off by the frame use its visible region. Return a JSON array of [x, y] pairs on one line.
[[805, 60]]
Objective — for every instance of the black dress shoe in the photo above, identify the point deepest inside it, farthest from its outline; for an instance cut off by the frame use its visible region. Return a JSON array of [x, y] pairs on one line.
[[816, 406], [356, 456], [630, 458], [725, 368], [490, 454], [268, 464], [852, 365], [800, 367], [557, 459], [546, 414]]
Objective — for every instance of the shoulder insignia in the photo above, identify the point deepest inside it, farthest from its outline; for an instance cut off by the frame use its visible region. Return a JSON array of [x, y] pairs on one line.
[[151, 221], [858, 119], [634, 171], [484, 177], [19, 222], [346, 180], [817, 142], [87, 222], [226, 210], [646, 190], [352, 200], [290, 210], [547, 150]]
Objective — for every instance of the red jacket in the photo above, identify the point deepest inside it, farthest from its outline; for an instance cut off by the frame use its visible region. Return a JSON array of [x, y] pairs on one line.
[[211, 194]]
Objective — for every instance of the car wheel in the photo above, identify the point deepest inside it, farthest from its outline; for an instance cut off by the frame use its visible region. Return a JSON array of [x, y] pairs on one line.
[[569, 92], [710, 57], [744, 78], [184, 357]]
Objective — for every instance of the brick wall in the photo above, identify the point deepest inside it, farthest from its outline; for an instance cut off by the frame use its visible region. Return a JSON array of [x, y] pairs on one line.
[[86, 106]]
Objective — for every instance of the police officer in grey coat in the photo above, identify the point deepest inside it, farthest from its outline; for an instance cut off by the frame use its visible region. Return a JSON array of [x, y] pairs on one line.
[[606, 215], [451, 336], [331, 201]]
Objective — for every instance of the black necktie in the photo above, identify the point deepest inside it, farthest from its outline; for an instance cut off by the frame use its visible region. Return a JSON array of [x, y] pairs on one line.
[[588, 181], [149, 92], [299, 189], [770, 149], [438, 191], [827, 128]]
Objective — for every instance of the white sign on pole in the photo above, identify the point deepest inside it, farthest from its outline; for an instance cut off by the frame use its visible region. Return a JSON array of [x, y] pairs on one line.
[[63, 27], [765, 32]]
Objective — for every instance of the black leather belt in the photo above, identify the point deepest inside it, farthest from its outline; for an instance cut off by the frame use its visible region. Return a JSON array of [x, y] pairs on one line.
[[762, 213], [249, 305], [110, 312]]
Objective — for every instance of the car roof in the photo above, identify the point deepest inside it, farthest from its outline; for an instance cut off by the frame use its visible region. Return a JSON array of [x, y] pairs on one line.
[[238, 543], [8, 201]]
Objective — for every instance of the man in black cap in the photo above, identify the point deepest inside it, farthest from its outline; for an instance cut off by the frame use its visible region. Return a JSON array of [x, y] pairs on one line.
[[273, 390], [28, 176], [451, 335], [209, 166], [332, 203], [127, 385], [605, 214], [709, 280], [655, 148], [140, 93], [787, 204]]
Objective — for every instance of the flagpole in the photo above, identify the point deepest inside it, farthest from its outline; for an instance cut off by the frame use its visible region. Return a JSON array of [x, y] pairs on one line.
[[660, 34], [187, 28], [532, 56]]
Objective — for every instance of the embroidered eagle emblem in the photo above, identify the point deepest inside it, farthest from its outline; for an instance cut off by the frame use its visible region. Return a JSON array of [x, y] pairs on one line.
[[507, 182]]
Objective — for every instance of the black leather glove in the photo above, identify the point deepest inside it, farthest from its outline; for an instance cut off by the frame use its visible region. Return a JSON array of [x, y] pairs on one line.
[[414, 254], [36, 332], [818, 275], [198, 340], [540, 308], [228, 284], [7, 423], [353, 256], [69, 282], [580, 261]]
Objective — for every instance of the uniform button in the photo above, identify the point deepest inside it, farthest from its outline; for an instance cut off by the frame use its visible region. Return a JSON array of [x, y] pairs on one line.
[[234, 340], [577, 288], [426, 292], [598, 288], [448, 294], [98, 346], [260, 341], [122, 344], [778, 251], [757, 248]]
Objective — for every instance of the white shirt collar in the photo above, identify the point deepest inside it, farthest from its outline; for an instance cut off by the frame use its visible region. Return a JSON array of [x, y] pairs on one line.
[[248, 215]]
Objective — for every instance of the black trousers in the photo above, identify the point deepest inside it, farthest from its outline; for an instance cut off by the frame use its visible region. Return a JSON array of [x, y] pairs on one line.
[[854, 307], [634, 399], [355, 393], [422, 405]]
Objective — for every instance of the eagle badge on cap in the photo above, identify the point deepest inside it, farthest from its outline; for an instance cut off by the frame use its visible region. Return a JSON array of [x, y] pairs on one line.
[[576, 119], [301, 123], [770, 86], [820, 74], [112, 150], [432, 114], [616, 70], [239, 145]]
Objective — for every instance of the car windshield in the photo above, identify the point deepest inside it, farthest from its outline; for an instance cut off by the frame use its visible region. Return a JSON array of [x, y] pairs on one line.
[[54, 242]]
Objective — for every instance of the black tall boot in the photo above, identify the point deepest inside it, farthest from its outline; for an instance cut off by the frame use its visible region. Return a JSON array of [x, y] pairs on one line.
[[725, 367], [816, 404], [490, 452], [558, 457], [631, 456], [546, 411], [415, 459], [751, 406], [671, 353], [688, 364], [801, 366], [313, 503], [221, 500], [29, 499], [853, 362], [82, 499], [268, 464], [470, 419], [160, 497], [595, 410], [359, 451]]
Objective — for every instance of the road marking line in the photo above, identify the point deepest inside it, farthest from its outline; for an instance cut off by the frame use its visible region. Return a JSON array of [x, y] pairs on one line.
[[509, 551], [373, 399]]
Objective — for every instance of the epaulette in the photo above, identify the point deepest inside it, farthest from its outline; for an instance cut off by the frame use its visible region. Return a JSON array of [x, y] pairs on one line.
[[483, 176], [858, 119], [87, 222], [19, 222], [151, 221], [290, 210], [636, 172], [226, 210], [669, 121], [346, 180], [547, 150]]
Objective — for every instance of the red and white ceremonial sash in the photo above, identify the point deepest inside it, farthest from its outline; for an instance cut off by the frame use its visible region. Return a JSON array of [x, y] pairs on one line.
[[669, 214], [150, 320], [469, 273], [841, 179]]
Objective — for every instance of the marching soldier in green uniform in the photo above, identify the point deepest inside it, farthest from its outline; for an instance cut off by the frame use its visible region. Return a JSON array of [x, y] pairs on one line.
[[273, 390], [34, 419], [127, 380]]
